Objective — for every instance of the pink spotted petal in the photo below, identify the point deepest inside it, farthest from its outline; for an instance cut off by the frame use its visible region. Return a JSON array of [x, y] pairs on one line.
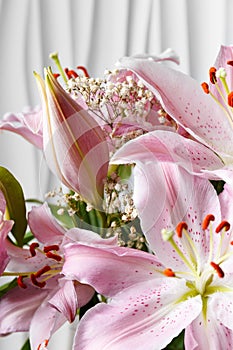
[[182, 197], [168, 146], [209, 334], [184, 100], [44, 226], [18, 307], [109, 270], [142, 318]]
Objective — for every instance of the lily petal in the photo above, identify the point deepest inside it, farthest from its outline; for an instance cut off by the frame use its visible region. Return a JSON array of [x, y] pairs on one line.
[[184, 100], [44, 226], [27, 124], [18, 307], [145, 317], [109, 270]]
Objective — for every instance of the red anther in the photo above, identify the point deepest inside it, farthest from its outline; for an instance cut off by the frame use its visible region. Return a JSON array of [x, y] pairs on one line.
[[70, 73], [212, 74], [48, 248], [85, 72], [35, 282], [217, 269], [40, 272], [53, 256], [230, 99], [180, 227], [20, 282], [169, 273], [33, 247], [206, 221], [230, 63], [43, 345], [56, 75], [224, 224], [205, 87]]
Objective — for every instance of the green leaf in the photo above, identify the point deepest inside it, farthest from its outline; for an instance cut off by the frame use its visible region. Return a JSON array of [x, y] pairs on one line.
[[8, 286], [15, 201], [177, 343], [26, 345]]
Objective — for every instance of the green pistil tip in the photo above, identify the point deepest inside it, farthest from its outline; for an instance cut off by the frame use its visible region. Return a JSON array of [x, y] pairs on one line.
[[55, 58], [167, 234]]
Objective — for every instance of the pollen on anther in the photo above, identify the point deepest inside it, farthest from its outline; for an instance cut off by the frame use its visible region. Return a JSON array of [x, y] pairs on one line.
[[169, 273], [42, 271], [20, 282], [51, 247], [212, 74], [33, 247], [85, 72], [206, 221], [205, 87], [217, 269], [53, 256], [230, 99], [180, 227], [35, 282], [230, 63], [223, 225]]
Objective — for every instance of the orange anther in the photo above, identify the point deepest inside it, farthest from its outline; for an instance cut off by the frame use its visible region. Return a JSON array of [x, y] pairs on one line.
[[212, 74], [217, 269], [230, 99], [169, 273], [206, 221], [230, 63], [180, 227], [224, 224], [205, 87]]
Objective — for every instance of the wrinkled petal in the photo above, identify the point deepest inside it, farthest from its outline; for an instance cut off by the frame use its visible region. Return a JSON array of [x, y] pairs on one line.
[[46, 321], [184, 100], [141, 318], [18, 307], [75, 235], [70, 297], [161, 146], [167, 55], [208, 334], [109, 270], [44, 226], [27, 124]]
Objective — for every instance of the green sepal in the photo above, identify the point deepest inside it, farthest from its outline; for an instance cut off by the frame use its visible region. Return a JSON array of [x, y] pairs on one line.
[[15, 202], [177, 343]]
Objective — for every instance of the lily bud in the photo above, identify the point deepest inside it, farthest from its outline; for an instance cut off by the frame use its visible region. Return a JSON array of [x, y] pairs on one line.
[[74, 145]]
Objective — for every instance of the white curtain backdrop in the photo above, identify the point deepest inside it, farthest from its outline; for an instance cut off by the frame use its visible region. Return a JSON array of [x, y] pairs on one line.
[[93, 33]]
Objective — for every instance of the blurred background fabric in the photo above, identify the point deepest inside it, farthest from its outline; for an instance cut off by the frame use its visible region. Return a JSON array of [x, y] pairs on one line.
[[93, 33]]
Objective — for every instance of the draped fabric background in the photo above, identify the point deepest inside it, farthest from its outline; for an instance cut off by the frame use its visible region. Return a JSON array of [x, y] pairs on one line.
[[93, 33]]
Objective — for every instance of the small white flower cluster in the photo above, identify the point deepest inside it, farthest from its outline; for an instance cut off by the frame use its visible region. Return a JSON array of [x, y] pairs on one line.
[[119, 199], [114, 98]]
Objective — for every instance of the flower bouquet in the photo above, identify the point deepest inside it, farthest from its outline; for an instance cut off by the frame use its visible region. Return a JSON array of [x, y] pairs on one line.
[[137, 242]]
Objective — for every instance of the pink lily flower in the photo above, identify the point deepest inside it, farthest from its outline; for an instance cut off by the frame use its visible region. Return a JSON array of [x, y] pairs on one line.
[[28, 124], [74, 145], [182, 97], [44, 298], [187, 284], [5, 228]]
